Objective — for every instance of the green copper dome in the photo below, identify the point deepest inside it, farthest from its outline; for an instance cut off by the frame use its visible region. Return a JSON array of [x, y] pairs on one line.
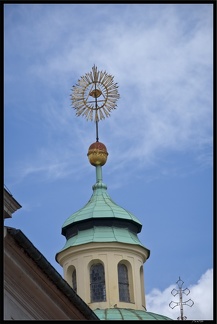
[[104, 234], [101, 220], [128, 314], [101, 206]]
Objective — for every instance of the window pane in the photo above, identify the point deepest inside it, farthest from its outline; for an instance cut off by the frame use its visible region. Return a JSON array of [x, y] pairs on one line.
[[74, 281], [123, 283], [97, 283]]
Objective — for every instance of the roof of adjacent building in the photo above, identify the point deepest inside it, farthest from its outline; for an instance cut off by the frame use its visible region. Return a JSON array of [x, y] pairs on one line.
[[51, 272], [128, 314], [10, 204]]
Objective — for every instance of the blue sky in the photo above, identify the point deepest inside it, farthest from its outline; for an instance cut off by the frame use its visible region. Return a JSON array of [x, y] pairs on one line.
[[159, 139]]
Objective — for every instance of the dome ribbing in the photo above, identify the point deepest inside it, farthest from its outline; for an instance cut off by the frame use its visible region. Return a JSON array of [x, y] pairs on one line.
[[128, 314], [101, 207]]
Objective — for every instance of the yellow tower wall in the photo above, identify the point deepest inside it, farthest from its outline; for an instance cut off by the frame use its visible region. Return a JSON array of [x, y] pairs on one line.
[[109, 254]]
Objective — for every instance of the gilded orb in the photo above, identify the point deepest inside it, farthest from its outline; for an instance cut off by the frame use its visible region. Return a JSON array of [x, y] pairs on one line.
[[97, 154]]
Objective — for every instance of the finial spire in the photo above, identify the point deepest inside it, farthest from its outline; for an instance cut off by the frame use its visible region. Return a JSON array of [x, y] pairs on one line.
[[94, 96], [181, 291]]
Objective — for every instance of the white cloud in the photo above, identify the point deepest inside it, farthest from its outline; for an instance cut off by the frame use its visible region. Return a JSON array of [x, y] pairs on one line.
[[201, 294], [164, 73]]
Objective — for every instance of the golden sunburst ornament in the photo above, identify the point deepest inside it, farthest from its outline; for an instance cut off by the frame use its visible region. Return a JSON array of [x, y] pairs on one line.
[[95, 95]]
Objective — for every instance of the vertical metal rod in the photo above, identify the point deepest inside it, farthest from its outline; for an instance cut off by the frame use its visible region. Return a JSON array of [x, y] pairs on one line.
[[98, 173], [97, 136], [181, 305]]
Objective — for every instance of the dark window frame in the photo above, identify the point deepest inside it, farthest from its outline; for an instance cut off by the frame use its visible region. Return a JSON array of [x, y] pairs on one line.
[[97, 283], [123, 283]]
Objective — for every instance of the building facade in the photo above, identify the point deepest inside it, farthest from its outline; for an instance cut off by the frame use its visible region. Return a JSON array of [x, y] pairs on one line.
[[33, 289]]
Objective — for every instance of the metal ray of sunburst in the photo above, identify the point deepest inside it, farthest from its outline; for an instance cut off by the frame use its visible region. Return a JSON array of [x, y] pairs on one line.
[[94, 96]]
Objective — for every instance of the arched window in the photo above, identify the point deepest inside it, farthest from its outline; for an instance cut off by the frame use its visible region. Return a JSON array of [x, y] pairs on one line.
[[123, 283], [97, 283], [142, 286], [74, 280]]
